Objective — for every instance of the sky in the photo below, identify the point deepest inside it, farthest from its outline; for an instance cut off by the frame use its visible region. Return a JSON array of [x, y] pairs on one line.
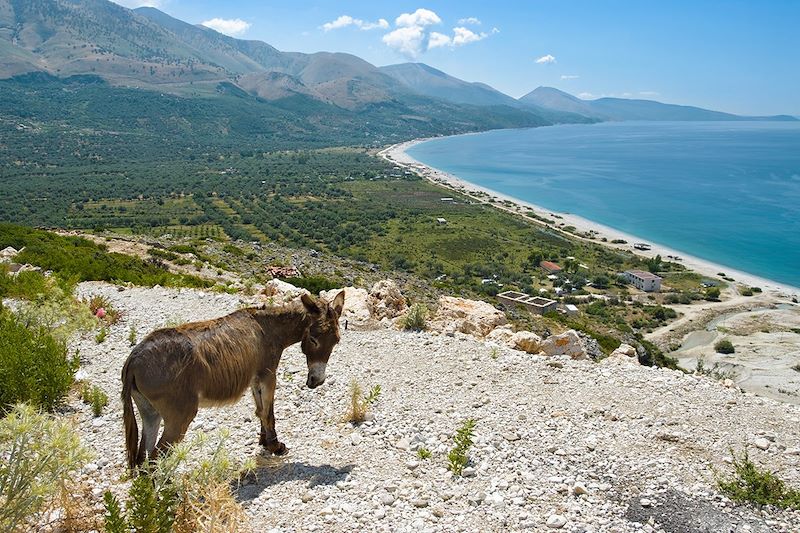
[[729, 55]]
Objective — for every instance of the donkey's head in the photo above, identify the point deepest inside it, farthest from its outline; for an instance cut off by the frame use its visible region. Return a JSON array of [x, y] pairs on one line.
[[320, 338]]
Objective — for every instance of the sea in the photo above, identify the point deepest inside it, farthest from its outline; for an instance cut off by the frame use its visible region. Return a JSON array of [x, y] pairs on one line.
[[727, 192]]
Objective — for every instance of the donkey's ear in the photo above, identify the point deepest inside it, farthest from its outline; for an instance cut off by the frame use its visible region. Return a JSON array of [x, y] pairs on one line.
[[338, 303], [310, 304]]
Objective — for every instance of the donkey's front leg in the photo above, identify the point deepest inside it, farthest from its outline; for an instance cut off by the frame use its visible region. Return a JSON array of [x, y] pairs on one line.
[[264, 395]]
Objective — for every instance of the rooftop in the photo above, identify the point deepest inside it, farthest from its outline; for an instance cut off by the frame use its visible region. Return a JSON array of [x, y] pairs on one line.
[[642, 274]]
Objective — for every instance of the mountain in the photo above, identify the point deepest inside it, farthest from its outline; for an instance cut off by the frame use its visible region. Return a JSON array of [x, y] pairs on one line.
[[429, 81], [628, 109], [551, 98]]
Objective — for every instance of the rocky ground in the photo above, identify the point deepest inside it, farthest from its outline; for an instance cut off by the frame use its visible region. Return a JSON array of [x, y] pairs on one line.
[[559, 443]]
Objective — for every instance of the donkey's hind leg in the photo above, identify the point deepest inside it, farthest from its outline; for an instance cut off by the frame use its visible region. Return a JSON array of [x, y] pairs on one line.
[[176, 422], [151, 421]]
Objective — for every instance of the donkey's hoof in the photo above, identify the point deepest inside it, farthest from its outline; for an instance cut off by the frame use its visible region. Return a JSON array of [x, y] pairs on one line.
[[280, 449]]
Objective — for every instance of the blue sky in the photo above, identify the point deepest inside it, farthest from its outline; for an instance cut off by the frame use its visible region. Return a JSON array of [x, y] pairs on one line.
[[736, 56]]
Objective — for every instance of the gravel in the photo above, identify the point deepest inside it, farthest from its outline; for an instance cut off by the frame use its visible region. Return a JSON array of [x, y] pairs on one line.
[[571, 446]]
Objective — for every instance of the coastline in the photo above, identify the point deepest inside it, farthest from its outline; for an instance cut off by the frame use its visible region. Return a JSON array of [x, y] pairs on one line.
[[397, 154]]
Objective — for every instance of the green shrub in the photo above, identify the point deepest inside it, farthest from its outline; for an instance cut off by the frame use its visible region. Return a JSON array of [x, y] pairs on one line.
[[458, 457], [132, 335], [100, 338], [751, 484], [415, 318], [424, 453], [724, 346], [40, 454], [712, 294], [34, 366], [26, 285], [94, 396]]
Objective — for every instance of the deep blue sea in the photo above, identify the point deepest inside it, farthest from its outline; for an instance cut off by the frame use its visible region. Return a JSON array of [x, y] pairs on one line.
[[727, 192]]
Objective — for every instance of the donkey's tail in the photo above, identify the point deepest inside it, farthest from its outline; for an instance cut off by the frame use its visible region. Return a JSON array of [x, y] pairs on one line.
[[129, 418]]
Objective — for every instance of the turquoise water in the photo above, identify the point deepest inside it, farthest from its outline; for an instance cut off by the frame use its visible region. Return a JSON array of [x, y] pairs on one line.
[[728, 192]]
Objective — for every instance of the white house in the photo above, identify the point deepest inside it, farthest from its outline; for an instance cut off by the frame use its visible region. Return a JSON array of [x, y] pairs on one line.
[[644, 281]]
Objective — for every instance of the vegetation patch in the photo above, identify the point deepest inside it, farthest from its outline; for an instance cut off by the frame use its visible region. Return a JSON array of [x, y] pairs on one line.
[[752, 484], [360, 402], [83, 260], [34, 365], [40, 457], [724, 346], [416, 318]]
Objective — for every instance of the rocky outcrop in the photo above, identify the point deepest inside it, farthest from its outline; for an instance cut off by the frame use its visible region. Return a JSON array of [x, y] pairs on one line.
[[279, 292], [356, 309], [567, 343], [466, 316], [500, 335], [386, 301], [624, 355], [526, 341]]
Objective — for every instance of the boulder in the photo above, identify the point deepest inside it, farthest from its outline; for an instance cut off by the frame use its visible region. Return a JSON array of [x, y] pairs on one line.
[[356, 310], [8, 253], [624, 355], [466, 316], [500, 335], [567, 343], [278, 292], [386, 301], [526, 341]]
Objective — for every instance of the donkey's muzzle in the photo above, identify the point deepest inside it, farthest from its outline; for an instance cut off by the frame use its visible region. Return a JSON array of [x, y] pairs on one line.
[[316, 376]]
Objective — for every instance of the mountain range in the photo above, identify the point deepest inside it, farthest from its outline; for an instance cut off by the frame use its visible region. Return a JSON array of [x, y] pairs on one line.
[[148, 50]]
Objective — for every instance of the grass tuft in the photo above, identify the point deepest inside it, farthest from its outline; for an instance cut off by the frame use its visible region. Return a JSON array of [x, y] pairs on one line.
[[360, 403]]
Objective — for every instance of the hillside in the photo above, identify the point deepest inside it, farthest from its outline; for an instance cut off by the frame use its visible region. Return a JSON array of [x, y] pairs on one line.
[[574, 444], [628, 109]]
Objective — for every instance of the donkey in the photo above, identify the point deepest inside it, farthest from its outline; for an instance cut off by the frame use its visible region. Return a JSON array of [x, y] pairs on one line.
[[174, 371]]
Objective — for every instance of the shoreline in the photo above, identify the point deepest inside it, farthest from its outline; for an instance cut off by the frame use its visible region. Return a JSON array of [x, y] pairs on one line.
[[397, 154]]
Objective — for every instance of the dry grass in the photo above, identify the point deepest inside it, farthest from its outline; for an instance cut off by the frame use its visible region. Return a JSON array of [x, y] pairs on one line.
[[215, 511], [360, 403]]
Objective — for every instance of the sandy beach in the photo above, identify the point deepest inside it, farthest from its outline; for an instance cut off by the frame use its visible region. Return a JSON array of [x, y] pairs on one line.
[[397, 154]]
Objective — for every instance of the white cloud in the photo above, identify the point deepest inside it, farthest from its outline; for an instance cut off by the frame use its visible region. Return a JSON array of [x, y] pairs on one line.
[[462, 36], [585, 96], [420, 17], [232, 27], [408, 41], [475, 21], [649, 93], [346, 20], [569, 77], [544, 60], [413, 35], [438, 40], [133, 4]]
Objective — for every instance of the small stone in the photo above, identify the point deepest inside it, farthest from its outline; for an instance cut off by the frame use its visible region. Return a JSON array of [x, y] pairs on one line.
[[468, 472], [511, 436], [412, 465], [403, 444], [646, 502], [495, 499], [307, 497], [380, 513], [762, 443], [578, 489], [387, 499], [419, 503], [356, 439], [556, 521]]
